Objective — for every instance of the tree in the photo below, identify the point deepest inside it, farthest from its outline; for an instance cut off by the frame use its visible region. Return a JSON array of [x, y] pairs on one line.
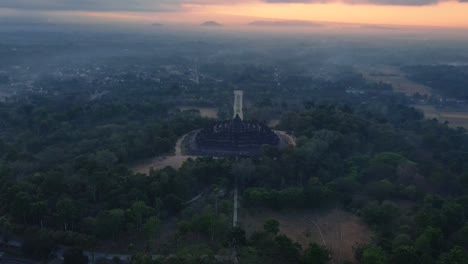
[[172, 203], [430, 242], [404, 255], [373, 255], [105, 158], [454, 216], [21, 206], [316, 194], [151, 227], [316, 254], [381, 190], [287, 250], [67, 211], [74, 256], [380, 214], [236, 236], [243, 171], [271, 226], [457, 255], [6, 226], [139, 212], [401, 240], [37, 247], [110, 223], [208, 224], [38, 211], [461, 236], [141, 259]]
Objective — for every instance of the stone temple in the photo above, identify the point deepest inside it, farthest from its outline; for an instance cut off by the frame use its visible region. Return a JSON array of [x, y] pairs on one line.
[[234, 137]]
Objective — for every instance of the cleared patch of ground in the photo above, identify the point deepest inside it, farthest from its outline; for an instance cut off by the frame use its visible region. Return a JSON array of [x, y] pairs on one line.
[[208, 112], [394, 76], [175, 161], [273, 122], [338, 230], [160, 163], [287, 140], [455, 118]]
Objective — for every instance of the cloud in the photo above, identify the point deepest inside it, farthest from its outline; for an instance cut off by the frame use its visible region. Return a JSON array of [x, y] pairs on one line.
[[403, 2], [174, 5], [93, 5], [374, 2]]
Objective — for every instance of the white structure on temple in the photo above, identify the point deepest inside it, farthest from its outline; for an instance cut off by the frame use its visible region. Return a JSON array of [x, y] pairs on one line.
[[238, 104]]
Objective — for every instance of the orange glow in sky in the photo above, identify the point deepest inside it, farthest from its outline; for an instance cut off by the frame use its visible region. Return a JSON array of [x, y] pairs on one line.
[[446, 14], [451, 13]]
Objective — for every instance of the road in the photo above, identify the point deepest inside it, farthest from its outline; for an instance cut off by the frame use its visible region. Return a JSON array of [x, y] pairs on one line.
[[235, 208]]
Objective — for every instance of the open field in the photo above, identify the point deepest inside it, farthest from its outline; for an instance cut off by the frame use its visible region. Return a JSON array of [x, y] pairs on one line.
[[208, 112], [395, 77], [336, 229], [455, 118]]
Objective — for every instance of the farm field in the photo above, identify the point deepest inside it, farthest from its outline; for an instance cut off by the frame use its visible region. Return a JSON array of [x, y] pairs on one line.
[[454, 118], [395, 77]]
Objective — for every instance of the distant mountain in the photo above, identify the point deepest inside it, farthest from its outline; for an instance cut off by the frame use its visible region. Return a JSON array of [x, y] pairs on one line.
[[379, 27], [211, 24], [290, 23], [157, 24]]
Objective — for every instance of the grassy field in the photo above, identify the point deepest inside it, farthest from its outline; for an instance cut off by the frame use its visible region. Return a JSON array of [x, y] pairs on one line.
[[338, 230], [455, 118], [395, 77]]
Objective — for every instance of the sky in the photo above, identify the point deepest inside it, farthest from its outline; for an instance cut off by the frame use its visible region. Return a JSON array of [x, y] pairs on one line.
[[434, 13]]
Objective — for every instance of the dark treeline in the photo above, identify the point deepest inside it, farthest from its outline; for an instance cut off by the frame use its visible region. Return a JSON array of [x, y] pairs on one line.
[[451, 81]]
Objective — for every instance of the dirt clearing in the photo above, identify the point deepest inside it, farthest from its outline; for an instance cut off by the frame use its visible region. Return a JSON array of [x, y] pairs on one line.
[[338, 230], [175, 161], [208, 112]]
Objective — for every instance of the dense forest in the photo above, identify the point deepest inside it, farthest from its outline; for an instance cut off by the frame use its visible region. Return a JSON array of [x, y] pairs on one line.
[[64, 177], [368, 159], [374, 161]]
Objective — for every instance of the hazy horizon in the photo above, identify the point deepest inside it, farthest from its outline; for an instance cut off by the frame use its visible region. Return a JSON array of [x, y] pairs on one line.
[[409, 13]]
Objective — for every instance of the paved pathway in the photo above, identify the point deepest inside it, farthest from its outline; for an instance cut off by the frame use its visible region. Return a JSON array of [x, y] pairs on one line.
[[235, 208]]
